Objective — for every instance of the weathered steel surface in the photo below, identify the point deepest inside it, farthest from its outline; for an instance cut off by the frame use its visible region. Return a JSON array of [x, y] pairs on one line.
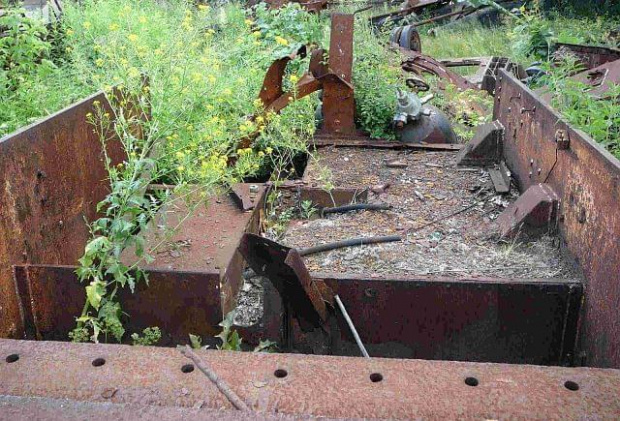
[[590, 56], [338, 99], [16, 408], [178, 302], [52, 175], [205, 241], [587, 179], [312, 385], [467, 319]]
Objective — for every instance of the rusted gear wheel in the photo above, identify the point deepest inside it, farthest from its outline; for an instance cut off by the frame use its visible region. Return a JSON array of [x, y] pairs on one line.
[[409, 38]]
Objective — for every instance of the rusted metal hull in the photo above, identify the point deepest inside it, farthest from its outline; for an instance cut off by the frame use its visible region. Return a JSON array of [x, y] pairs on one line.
[[587, 180], [52, 176], [313, 385]]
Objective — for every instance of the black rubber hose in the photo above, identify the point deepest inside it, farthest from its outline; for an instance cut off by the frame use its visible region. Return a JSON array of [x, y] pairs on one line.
[[358, 206], [352, 242]]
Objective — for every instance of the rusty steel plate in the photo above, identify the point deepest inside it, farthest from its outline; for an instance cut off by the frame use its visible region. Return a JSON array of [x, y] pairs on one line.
[[178, 302], [309, 385], [52, 175], [468, 319], [540, 147]]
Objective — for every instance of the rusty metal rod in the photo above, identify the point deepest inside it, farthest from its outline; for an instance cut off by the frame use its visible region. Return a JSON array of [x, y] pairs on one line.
[[352, 242], [222, 386], [358, 206], [343, 310]]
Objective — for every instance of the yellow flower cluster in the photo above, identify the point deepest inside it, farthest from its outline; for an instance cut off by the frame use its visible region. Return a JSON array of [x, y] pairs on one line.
[[281, 41]]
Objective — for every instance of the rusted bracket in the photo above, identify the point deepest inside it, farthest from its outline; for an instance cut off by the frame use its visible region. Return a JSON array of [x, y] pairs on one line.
[[334, 79], [535, 210]]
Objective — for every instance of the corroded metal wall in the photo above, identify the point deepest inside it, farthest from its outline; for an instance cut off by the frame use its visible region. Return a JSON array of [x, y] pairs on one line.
[[52, 175], [587, 179]]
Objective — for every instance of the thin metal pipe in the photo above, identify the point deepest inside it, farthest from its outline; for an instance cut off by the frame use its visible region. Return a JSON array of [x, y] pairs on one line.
[[343, 310], [349, 243]]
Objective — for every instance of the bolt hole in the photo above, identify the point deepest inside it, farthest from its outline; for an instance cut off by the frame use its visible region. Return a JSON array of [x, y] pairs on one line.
[[187, 368], [376, 377], [98, 362], [471, 381], [280, 373], [12, 358], [571, 385]]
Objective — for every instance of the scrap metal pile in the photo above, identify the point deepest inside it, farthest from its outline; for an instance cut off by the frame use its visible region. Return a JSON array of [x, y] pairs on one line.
[[478, 281]]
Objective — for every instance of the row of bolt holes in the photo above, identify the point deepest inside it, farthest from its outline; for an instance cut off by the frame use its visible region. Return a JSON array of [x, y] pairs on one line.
[[281, 373]]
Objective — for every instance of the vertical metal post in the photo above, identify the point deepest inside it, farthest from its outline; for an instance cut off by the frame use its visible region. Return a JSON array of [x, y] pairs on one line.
[[338, 99]]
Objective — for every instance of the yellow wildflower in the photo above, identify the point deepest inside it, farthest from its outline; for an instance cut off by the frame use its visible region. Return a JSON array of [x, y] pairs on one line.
[[203, 7], [256, 34], [248, 22], [132, 37], [114, 27], [70, 32], [142, 19], [99, 62], [294, 79], [133, 72], [87, 25], [268, 150], [281, 41]]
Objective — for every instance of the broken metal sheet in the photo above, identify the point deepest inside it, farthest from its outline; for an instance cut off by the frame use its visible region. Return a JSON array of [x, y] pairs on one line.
[[285, 269], [52, 175], [586, 178], [288, 383]]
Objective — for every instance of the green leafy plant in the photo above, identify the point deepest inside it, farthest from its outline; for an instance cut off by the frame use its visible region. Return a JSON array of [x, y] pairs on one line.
[[195, 341], [307, 209], [231, 341], [150, 336]]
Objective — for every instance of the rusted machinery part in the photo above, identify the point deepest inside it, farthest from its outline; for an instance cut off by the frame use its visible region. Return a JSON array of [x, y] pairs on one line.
[[288, 383], [420, 63], [406, 37], [417, 84], [432, 127], [352, 242]]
